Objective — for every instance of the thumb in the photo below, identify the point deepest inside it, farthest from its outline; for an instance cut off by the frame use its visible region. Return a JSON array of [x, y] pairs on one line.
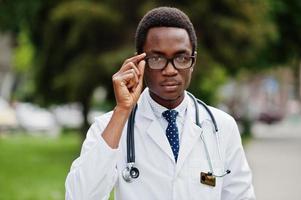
[[141, 67]]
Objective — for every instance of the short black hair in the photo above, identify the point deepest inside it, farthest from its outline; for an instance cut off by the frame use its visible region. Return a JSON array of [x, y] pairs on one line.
[[164, 17]]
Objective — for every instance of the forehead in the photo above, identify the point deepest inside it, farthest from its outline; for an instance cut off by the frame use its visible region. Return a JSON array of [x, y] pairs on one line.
[[167, 39]]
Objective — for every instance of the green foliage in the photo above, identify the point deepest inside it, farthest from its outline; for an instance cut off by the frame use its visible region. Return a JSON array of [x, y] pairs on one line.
[[287, 17], [207, 83], [233, 32], [34, 167], [23, 53], [79, 44], [75, 36], [286, 50], [23, 62], [208, 76], [14, 14]]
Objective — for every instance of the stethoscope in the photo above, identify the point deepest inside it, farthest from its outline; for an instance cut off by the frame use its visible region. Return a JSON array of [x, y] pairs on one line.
[[132, 172]]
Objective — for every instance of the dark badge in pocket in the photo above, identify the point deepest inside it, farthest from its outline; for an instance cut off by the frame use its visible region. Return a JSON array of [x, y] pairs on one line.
[[207, 179]]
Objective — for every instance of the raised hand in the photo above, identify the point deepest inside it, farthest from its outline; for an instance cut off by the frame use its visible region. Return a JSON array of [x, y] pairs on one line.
[[128, 82]]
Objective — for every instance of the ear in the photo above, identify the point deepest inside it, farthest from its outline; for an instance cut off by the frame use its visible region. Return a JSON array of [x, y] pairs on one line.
[[195, 57]]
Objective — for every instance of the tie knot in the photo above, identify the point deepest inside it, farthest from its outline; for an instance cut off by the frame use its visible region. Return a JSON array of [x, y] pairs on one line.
[[170, 115]]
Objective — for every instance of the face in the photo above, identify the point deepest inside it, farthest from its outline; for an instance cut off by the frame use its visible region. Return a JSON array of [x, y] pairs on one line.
[[167, 85]]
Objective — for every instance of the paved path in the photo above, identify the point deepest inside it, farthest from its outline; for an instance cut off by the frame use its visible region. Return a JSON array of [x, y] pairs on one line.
[[275, 158]]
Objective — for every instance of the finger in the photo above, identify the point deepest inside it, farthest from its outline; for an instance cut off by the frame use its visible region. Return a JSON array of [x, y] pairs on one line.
[[133, 66], [136, 58], [129, 66], [129, 77], [134, 72], [131, 85], [124, 79], [141, 67], [134, 81], [118, 76]]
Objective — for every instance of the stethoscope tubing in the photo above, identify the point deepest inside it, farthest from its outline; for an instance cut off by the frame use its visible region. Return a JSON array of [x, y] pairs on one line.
[[131, 137], [131, 140], [198, 124]]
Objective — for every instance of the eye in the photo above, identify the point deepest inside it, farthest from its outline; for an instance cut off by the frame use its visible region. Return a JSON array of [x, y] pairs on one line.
[[182, 59], [155, 59]]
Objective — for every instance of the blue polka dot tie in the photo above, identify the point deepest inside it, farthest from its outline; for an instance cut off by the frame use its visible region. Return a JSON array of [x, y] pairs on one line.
[[172, 131]]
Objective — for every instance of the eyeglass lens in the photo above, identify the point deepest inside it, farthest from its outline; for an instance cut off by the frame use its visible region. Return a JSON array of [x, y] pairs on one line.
[[179, 61]]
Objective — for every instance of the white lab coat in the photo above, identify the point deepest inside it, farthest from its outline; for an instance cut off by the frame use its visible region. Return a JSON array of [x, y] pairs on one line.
[[99, 168]]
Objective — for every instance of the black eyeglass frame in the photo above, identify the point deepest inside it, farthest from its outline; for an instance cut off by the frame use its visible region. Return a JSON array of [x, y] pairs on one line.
[[169, 60]]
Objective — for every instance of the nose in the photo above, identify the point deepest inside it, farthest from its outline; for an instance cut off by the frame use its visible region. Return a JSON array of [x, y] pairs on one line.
[[169, 70]]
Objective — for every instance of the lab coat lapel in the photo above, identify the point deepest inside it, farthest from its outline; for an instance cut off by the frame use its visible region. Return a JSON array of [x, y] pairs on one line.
[[157, 134], [190, 135], [154, 130]]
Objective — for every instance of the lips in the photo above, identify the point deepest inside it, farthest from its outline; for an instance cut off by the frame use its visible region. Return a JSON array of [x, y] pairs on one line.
[[170, 83], [170, 86]]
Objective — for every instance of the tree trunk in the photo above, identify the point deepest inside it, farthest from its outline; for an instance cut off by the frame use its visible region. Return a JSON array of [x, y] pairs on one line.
[[247, 127], [85, 112], [297, 77]]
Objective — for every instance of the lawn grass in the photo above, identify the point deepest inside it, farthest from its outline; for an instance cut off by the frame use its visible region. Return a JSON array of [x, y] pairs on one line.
[[35, 168], [246, 139]]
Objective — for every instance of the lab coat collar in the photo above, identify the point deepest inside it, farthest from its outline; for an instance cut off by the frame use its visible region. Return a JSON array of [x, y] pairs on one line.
[[144, 109]]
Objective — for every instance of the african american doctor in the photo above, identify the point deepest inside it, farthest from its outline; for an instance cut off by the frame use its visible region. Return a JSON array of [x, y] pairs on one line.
[[175, 158]]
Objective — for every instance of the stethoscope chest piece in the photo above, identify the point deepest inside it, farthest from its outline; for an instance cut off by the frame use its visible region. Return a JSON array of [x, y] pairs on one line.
[[130, 173], [134, 172]]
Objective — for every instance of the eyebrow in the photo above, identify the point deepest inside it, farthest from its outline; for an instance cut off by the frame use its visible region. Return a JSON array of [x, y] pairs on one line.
[[183, 51]]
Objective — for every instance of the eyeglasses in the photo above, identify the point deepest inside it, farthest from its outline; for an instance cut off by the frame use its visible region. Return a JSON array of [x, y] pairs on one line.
[[160, 62]]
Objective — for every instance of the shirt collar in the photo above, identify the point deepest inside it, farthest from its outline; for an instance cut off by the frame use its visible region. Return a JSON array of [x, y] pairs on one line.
[[159, 109]]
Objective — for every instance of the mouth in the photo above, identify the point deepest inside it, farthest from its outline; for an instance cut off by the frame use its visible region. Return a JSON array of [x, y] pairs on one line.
[[170, 86]]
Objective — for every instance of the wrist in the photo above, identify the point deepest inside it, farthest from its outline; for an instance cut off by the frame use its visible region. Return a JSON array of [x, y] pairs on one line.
[[122, 110]]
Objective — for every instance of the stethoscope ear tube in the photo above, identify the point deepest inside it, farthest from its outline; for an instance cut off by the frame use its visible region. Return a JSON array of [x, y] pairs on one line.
[[210, 113], [196, 102]]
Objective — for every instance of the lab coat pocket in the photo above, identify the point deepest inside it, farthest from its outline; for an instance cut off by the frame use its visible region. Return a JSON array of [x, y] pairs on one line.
[[198, 190]]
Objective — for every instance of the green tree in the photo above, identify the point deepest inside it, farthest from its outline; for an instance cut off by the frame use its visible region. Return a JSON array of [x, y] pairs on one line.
[[287, 48], [231, 35], [70, 66], [80, 44], [14, 14]]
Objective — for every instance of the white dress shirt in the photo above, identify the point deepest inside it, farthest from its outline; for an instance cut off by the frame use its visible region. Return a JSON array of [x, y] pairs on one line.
[[159, 109]]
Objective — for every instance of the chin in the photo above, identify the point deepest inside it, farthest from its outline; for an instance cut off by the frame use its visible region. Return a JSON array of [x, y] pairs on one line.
[[166, 95], [170, 96]]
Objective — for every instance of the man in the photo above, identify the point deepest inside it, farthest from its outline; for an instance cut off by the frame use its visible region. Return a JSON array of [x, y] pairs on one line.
[[176, 158]]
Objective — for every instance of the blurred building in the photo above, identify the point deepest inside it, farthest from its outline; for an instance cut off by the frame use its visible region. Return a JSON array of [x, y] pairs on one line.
[[266, 96]]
